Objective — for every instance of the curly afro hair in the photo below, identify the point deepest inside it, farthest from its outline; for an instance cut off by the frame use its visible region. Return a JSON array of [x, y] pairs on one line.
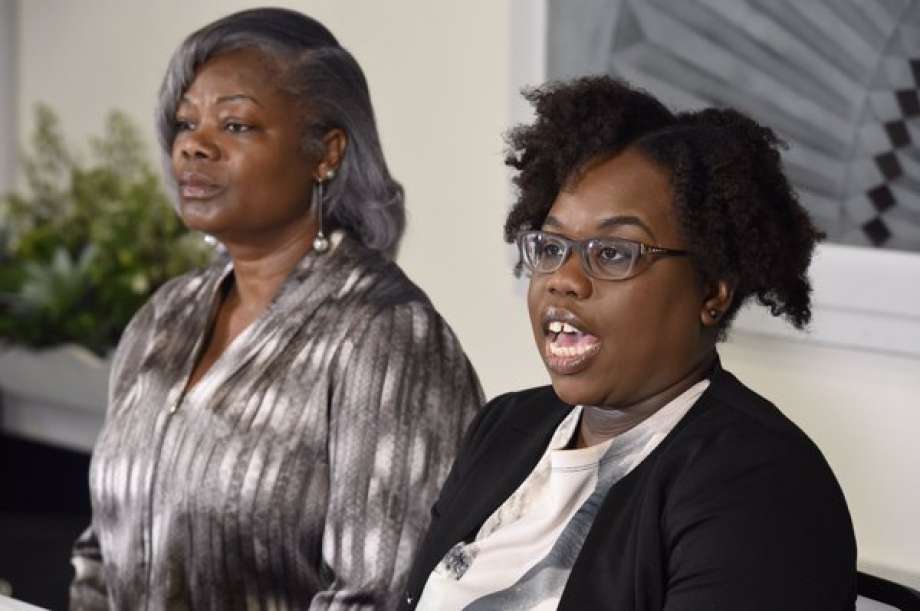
[[739, 215]]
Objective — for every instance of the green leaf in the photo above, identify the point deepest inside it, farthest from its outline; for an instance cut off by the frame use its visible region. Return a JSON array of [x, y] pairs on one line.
[[86, 243]]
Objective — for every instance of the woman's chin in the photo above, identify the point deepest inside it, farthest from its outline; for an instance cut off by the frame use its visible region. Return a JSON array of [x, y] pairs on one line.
[[199, 222], [200, 210], [576, 390]]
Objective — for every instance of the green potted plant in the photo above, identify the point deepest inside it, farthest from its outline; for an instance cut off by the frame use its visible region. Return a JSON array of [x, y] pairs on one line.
[[81, 249]]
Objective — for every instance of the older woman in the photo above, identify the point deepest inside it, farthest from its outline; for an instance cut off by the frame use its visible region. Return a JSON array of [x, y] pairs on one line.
[[646, 477], [280, 422]]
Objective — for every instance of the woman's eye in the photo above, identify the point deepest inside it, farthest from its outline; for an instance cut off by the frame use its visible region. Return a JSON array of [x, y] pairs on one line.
[[552, 250], [235, 127], [182, 125], [609, 253]]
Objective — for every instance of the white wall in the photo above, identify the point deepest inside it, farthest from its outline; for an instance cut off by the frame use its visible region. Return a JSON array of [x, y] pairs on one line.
[[7, 93], [440, 74]]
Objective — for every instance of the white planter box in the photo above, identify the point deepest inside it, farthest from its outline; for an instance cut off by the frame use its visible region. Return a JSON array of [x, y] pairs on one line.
[[55, 396]]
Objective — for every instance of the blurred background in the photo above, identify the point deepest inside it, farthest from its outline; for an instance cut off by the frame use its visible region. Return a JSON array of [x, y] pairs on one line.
[[444, 77]]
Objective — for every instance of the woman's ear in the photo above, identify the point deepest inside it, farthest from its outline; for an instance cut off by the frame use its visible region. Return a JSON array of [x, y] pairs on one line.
[[719, 296], [334, 143]]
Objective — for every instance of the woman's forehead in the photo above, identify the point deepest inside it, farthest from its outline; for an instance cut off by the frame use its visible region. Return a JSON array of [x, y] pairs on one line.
[[245, 70], [625, 190]]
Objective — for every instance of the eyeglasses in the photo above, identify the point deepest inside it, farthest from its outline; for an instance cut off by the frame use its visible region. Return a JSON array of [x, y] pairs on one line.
[[601, 258]]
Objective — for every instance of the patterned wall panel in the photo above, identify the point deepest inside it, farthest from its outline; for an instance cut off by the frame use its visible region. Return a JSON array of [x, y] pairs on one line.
[[837, 79]]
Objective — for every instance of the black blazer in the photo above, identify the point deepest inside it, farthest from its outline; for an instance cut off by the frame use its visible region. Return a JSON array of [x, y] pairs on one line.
[[735, 510]]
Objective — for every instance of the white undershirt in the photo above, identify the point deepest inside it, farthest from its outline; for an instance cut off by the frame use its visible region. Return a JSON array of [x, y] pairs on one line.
[[525, 528]]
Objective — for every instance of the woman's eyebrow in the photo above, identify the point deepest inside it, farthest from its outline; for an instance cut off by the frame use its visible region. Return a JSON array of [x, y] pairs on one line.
[[608, 223], [619, 221], [235, 97]]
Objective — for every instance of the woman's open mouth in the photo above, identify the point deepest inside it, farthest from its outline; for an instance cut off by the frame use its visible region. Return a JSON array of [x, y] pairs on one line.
[[566, 348]]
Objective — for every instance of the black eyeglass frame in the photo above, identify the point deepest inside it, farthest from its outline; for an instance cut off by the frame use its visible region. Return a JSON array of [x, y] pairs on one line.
[[647, 254]]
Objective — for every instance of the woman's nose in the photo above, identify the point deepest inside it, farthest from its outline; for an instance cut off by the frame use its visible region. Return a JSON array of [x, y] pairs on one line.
[[197, 144], [570, 279]]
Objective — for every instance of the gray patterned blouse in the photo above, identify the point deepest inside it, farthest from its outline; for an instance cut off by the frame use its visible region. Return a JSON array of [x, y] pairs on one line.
[[298, 472]]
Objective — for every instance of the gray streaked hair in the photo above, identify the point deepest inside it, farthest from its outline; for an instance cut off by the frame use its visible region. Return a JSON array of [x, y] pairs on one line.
[[363, 199]]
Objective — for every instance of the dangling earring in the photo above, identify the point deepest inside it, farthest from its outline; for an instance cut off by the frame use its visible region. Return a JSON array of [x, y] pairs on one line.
[[321, 242]]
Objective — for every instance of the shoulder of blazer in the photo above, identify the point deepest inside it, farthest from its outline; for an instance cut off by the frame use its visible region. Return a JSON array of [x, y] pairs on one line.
[[524, 411], [728, 424], [732, 425], [727, 398], [512, 424]]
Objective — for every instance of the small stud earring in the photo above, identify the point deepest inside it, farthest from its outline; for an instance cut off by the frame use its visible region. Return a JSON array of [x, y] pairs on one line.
[[330, 174], [714, 314]]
